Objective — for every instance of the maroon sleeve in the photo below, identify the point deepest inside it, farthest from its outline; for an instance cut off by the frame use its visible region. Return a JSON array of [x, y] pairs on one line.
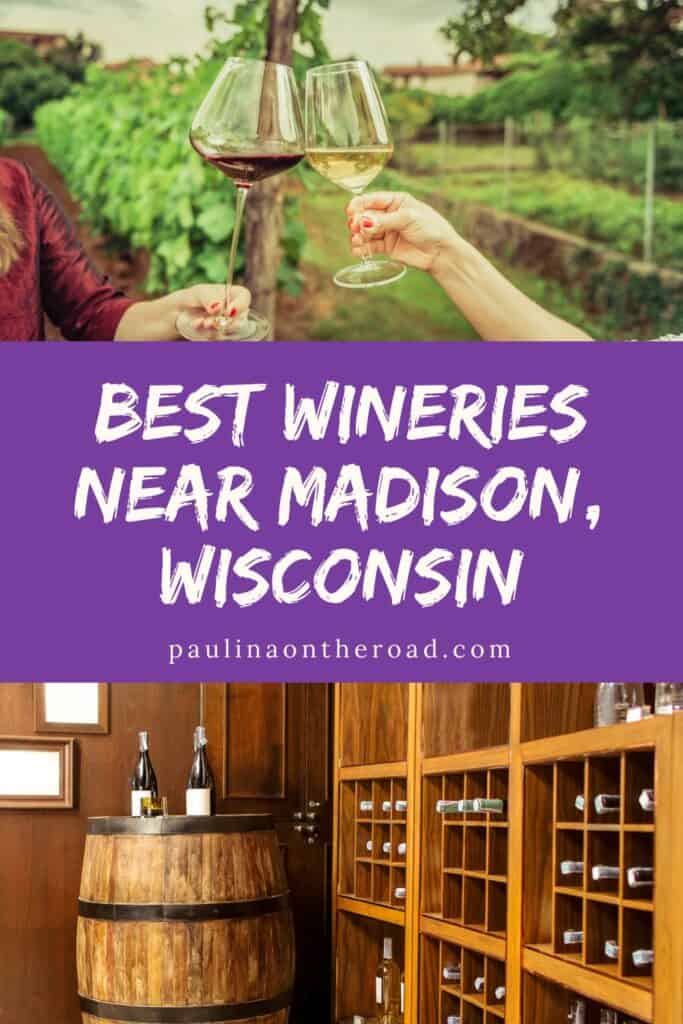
[[79, 300]]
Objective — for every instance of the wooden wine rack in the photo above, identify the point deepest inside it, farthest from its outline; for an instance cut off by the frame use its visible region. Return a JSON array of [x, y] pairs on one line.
[[487, 891]]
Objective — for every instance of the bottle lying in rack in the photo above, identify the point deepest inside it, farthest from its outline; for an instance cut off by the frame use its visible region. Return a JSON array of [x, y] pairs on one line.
[[572, 937], [365, 806], [607, 803], [399, 892], [401, 806], [493, 806], [388, 985], [637, 878], [647, 799], [454, 806], [401, 849], [642, 957], [604, 873], [451, 974], [453, 1019], [479, 983], [386, 847], [386, 806], [499, 993], [580, 803], [612, 949], [571, 867]]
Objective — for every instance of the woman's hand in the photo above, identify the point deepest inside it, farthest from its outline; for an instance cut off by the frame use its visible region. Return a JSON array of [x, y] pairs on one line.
[[402, 227], [156, 320]]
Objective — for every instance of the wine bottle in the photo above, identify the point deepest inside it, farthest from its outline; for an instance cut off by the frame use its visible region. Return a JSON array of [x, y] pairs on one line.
[[401, 806], [368, 846], [489, 806], [143, 782], [365, 806], [479, 983], [387, 984], [580, 803], [403, 1001], [577, 1012], [637, 878], [647, 799], [499, 993], [200, 796], [451, 973], [401, 849], [608, 1016], [612, 949], [386, 847], [572, 937], [571, 867], [386, 806], [642, 957], [607, 803], [604, 872], [449, 806], [399, 892], [453, 1018]]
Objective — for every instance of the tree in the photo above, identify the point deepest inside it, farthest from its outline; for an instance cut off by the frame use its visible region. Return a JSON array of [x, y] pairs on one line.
[[73, 56], [270, 29], [635, 43]]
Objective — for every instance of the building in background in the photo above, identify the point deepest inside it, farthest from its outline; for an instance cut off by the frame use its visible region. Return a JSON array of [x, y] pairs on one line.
[[41, 42], [463, 79]]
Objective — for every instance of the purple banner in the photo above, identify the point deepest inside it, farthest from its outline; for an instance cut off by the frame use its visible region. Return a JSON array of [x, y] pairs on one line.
[[341, 512]]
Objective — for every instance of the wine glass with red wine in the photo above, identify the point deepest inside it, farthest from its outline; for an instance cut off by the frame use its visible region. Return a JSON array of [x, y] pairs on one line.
[[249, 127]]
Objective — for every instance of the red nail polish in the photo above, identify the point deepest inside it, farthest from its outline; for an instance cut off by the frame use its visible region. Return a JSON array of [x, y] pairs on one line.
[[367, 222], [232, 311]]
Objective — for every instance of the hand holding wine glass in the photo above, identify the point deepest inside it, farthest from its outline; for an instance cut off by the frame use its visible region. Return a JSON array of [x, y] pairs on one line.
[[348, 141], [249, 127]]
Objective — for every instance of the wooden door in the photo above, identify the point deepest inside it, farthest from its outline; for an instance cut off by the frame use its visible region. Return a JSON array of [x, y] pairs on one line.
[[270, 750]]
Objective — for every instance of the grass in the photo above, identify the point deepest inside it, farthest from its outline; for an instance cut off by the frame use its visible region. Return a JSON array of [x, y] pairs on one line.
[[433, 156], [415, 307]]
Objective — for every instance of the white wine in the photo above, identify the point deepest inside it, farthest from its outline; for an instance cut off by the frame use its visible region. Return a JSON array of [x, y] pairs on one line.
[[401, 849], [499, 993], [612, 949], [642, 957], [607, 803], [647, 799], [577, 1012], [401, 806], [352, 169], [572, 938], [639, 877], [451, 973], [571, 867], [386, 806], [489, 806], [387, 984], [604, 872], [399, 892], [365, 806], [479, 983]]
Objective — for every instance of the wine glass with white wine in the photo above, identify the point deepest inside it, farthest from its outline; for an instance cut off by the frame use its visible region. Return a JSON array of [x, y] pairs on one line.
[[249, 127], [348, 141]]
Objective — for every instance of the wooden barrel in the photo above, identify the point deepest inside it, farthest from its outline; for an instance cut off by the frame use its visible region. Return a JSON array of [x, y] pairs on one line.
[[184, 920]]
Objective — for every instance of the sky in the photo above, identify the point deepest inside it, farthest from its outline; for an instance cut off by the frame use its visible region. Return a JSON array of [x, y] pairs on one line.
[[380, 31]]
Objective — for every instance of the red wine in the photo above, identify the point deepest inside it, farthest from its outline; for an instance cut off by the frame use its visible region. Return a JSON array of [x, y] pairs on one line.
[[247, 168]]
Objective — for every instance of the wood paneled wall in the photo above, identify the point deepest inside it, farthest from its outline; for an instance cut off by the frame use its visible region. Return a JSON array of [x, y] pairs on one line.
[[41, 851]]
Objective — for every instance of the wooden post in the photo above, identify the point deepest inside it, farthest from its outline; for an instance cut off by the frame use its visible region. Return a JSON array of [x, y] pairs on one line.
[[264, 209], [650, 173]]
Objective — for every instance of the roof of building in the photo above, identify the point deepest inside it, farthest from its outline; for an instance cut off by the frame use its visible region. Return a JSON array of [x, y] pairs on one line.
[[29, 37], [473, 67]]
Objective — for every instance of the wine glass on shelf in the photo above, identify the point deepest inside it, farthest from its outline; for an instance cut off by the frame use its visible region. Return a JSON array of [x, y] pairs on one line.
[[250, 127], [348, 141]]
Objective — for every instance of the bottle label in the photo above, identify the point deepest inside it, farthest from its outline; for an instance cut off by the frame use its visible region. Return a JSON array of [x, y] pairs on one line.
[[136, 798], [378, 991], [198, 801]]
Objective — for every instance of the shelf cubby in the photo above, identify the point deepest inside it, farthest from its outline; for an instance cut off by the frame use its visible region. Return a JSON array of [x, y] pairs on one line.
[[544, 1001], [464, 853], [370, 864], [358, 951], [476, 993]]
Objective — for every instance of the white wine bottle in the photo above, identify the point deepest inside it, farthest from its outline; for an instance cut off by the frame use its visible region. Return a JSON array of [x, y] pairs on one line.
[[386, 806], [572, 937], [400, 892], [365, 806], [499, 993], [493, 806], [647, 799], [387, 985], [639, 878], [571, 867], [403, 998], [612, 949], [608, 1016], [386, 848], [200, 795], [401, 806], [144, 781], [607, 803], [479, 983], [642, 957], [451, 973], [577, 1012], [401, 849], [368, 846], [604, 873], [580, 803], [449, 806], [453, 1018]]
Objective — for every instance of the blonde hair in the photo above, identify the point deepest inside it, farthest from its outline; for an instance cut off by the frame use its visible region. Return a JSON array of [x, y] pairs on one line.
[[10, 240]]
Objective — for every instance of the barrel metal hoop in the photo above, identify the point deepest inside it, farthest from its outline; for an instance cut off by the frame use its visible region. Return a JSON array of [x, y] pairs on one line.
[[180, 825], [185, 1014], [183, 911]]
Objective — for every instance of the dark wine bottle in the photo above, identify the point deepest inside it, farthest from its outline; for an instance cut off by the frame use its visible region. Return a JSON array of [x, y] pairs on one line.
[[200, 797], [143, 782]]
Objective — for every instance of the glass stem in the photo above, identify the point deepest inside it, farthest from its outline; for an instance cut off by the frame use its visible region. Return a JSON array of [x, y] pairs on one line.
[[242, 192], [365, 248]]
